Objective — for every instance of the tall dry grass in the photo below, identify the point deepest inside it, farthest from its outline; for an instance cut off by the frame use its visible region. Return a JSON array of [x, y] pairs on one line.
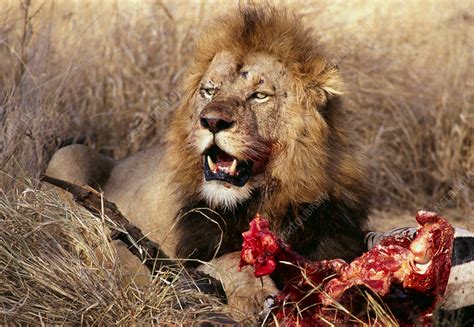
[[84, 70], [410, 76], [107, 74], [58, 267]]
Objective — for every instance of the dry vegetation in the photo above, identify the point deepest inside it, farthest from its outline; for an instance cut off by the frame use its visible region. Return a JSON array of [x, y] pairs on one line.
[[107, 74], [74, 278], [410, 76]]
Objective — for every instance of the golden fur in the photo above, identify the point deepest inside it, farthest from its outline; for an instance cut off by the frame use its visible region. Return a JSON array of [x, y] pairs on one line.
[[308, 164]]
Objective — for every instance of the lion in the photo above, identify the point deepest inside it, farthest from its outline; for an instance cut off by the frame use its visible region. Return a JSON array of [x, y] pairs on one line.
[[261, 129]]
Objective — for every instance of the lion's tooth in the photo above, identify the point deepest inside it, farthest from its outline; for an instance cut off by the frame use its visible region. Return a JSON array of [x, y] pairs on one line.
[[211, 164], [233, 168]]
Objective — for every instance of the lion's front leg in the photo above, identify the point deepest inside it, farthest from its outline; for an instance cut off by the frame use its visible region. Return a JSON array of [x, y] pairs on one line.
[[243, 290]]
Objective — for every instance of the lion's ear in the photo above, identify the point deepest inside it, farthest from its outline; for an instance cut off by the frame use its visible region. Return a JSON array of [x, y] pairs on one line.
[[330, 82], [324, 84], [325, 89]]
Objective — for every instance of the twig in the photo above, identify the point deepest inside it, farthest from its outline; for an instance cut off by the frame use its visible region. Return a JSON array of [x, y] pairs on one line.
[[141, 246]]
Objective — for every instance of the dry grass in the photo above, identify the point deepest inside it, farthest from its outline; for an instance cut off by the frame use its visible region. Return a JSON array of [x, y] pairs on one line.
[[107, 73], [410, 76], [87, 71], [58, 267]]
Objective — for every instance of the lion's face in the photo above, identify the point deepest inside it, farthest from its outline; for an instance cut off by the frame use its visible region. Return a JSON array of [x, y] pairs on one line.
[[262, 125], [242, 111]]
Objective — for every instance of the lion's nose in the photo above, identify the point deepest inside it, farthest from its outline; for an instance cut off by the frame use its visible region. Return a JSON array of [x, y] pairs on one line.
[[215, 123]]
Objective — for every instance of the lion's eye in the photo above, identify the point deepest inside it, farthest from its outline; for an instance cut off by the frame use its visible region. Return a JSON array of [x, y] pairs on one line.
[[208, 92], [260, 97]]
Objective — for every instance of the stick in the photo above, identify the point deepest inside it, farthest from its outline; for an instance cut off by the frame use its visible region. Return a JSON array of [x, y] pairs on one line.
[[148, 251]]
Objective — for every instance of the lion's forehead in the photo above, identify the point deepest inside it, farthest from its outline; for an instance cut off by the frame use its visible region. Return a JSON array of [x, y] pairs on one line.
[[245, 74]]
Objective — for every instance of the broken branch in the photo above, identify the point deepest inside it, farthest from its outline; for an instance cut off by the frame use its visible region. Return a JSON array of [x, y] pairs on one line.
[[148, 251]]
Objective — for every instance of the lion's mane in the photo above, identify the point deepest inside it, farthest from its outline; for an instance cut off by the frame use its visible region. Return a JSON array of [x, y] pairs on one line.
[[316, 191]]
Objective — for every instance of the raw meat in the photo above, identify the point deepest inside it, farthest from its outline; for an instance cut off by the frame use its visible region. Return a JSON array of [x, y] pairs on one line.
[[410, 276]]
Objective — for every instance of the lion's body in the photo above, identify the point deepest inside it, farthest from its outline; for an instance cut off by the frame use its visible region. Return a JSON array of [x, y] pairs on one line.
[[149, 179], [260, 93]]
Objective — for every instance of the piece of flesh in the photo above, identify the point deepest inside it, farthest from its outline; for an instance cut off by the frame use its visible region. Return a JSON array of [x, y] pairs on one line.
[[410, 276]]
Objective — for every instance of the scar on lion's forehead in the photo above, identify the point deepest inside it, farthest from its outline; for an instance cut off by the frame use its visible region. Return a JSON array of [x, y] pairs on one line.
[[255, 78]]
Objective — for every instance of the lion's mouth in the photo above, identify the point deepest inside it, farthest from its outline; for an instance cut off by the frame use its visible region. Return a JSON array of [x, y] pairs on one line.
[[219, 165]]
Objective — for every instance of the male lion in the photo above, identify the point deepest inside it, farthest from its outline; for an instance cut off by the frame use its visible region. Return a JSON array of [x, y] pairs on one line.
[[260, 129]]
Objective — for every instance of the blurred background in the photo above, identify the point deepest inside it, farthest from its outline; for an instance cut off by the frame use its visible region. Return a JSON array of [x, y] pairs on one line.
[[107, 74]]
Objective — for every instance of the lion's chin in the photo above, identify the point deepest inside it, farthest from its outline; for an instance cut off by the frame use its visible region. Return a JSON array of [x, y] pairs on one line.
[[224, 195]]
